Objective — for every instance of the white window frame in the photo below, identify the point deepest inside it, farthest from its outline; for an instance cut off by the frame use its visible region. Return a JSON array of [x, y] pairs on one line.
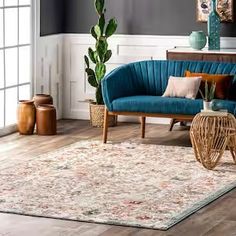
[[35, 24]]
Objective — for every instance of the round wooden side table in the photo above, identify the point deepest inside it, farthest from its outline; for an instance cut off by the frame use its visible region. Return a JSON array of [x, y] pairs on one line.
[[210, 135]]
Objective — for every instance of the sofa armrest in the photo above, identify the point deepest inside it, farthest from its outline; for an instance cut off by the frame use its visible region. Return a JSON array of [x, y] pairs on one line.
[[118, 83]]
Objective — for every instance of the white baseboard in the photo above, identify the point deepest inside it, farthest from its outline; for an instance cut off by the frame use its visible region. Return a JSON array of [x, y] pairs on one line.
[[8, 130], [84, 115]]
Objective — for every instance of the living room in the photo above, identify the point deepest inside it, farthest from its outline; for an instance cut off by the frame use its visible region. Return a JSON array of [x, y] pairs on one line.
[[117, 117]]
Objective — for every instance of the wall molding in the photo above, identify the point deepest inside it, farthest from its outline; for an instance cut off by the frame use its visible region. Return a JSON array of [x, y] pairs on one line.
[[49, 69], [71, 78]]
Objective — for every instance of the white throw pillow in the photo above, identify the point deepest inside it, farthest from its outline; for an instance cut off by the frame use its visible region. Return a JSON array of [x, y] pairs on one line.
[[183, 87]]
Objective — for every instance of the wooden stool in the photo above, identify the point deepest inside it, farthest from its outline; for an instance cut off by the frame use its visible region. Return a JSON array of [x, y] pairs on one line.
[[46, 120]]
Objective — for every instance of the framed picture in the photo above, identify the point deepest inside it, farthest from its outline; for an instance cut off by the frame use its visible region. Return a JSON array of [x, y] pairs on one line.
[[224, 8]]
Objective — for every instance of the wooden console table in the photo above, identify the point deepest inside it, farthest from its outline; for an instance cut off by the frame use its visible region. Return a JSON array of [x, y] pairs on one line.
[[186, 54]]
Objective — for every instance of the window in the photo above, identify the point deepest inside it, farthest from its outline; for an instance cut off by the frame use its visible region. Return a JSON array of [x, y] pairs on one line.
[[15, 57]]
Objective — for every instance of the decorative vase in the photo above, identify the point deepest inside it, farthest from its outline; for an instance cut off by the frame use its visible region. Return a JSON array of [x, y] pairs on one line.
[[46, 119], [213, 25], [40, 99], [207, 106], [26, 115], [197, 40], [97, 116]]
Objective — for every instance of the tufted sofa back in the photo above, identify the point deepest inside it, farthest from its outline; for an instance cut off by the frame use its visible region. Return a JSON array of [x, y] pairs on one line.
[[152, 76]]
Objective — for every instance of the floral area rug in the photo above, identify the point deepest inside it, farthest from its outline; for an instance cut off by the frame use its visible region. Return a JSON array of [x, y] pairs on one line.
[[128, 184]]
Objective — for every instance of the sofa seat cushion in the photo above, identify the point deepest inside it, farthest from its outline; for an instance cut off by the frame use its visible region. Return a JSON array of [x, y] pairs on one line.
[[158, 104], [165, 105]]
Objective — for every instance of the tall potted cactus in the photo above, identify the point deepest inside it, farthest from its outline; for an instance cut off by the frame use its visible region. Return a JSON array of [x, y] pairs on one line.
[[98, 57]]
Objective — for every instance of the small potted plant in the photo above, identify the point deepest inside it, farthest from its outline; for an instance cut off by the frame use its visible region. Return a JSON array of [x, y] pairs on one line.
[[98, 57], [208, 96]]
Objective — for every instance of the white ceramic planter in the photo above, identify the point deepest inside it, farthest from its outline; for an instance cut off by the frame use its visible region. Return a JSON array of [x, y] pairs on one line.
[[207, 105]]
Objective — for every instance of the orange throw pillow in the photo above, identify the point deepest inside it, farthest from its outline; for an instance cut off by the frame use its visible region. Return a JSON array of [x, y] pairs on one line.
[[223, 82]]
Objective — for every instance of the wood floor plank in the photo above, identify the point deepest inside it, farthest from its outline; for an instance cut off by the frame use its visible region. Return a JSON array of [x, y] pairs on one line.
[[218, 218], [119, 231], [149, 232], [206, 218], [227, 228]]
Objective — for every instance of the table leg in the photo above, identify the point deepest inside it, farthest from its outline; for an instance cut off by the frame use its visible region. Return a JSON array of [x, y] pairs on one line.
[[192, 138], [232, 147], [209, 152]]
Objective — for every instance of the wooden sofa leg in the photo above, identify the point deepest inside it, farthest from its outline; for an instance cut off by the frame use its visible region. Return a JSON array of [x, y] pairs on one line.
[[143, 126], [172, 123], [105, 126]]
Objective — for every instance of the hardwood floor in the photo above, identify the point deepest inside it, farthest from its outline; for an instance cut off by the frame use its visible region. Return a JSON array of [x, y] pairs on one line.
[[216, 219]]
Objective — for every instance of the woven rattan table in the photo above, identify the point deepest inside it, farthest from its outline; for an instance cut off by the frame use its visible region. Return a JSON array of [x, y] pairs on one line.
[[211, 135]]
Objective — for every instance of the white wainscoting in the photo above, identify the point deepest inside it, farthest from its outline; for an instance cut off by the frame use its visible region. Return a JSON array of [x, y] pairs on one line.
[[125, 48], [69, 65], [49, 69]]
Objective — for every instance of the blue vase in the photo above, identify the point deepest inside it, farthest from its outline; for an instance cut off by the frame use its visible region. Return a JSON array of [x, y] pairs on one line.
[[213, 28], [197, 40]]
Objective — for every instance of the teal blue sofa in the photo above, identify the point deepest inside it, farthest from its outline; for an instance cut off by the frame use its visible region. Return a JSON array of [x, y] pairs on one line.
[[136, 89]]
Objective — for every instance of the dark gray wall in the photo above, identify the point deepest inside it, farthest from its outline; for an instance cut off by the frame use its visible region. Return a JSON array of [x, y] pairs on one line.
[[51, 17], [158, 17]]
